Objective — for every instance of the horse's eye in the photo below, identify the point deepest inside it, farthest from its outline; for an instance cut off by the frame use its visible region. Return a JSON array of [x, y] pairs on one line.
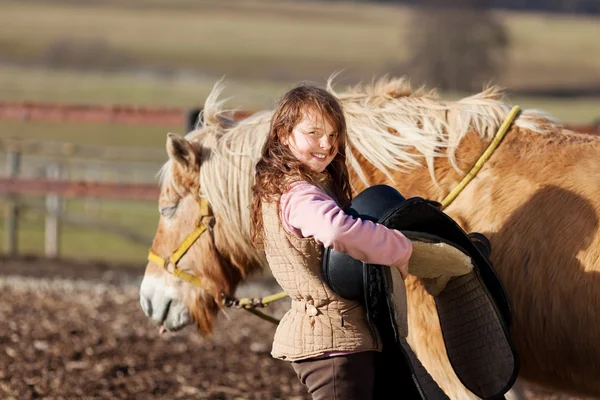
[[168, 211]]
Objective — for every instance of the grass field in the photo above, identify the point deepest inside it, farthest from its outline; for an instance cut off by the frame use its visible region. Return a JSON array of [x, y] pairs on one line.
[[170, 53], [134, 136], [243, 39], [272, 40], [21, 84], [89, 243]]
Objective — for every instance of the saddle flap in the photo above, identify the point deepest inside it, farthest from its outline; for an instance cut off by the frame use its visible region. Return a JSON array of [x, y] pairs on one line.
[[396, 366], [474, 329]]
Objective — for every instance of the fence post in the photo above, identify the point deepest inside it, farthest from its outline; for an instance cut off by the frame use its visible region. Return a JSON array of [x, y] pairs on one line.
[[11, 217], [53, 210], [193, 118], [93, 173]]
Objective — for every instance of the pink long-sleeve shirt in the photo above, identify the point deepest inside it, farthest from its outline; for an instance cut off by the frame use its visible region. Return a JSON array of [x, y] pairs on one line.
[[307, 211]]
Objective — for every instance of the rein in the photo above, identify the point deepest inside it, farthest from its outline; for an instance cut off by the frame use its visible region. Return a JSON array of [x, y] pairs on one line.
[[251, 304]]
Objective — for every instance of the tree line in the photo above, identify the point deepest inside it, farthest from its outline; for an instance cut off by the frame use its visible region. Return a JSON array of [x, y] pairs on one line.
[[560, 6]]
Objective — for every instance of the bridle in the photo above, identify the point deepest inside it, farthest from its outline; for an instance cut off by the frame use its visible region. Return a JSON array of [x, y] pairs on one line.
[[170, 265]]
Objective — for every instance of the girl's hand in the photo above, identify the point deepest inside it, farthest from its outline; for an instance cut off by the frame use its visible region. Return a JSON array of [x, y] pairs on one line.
[[402, 266]]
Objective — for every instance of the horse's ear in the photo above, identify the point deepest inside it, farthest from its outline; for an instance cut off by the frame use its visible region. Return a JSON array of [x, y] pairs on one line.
[[181, 151]]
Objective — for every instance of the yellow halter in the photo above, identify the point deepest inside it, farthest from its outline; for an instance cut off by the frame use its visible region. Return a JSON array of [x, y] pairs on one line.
[[170, 264]]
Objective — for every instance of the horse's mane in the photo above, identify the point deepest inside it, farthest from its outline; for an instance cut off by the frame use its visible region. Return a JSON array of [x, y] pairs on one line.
[[375, 114], [433, 127]]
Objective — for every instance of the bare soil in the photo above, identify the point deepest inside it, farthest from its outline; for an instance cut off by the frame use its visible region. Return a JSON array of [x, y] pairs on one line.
[[77, 331], [72, 330]]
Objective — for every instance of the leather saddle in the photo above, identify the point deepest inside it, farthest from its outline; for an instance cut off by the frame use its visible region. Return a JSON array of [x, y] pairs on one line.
[[473, 308]]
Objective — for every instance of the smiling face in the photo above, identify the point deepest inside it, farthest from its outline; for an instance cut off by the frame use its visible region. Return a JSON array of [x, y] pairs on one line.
[[313, 141]]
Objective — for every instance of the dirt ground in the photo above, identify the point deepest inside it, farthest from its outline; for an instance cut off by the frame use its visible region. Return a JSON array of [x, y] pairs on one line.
[[76, 331]]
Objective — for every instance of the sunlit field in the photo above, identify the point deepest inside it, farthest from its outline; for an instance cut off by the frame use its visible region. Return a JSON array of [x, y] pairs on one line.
[[171, 53]]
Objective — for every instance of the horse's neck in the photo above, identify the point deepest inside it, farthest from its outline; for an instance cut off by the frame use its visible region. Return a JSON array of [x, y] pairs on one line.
[[531, 173]]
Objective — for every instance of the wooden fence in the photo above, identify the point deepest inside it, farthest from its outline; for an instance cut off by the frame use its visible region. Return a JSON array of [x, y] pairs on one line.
[[54, 188], [45, 111], [123, 114]]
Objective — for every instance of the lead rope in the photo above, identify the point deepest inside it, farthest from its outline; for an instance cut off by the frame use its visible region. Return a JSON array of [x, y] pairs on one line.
[[483, 158]]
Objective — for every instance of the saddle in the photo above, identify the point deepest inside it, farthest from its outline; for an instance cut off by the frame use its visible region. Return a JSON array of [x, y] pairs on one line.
[[472, 305]]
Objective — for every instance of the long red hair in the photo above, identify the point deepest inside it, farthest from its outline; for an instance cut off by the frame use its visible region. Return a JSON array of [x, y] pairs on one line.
[[278, 167]]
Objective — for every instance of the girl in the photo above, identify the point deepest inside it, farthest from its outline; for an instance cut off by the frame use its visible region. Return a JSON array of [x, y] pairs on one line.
[[301, 188]]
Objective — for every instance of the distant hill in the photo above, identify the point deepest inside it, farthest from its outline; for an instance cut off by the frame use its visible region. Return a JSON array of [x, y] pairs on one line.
[[558, 6]]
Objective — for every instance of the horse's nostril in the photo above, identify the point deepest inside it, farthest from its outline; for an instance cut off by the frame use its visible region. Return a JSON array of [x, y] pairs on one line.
[[165, 313], [146, 306]]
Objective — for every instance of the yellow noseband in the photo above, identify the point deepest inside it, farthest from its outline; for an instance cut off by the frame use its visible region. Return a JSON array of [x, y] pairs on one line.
[[170, 264]]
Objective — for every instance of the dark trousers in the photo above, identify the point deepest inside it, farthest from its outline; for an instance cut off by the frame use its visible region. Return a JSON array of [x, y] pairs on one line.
[[346, 377]]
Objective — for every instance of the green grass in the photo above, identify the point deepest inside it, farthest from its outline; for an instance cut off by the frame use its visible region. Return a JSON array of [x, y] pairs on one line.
[[266, 40], [135, 136], [240, 40], [575, 111], [549, 49], [565, 111], [33, 84], [29, 84]]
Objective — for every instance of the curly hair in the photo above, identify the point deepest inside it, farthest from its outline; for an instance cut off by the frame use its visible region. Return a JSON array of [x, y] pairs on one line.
[[278, 167]]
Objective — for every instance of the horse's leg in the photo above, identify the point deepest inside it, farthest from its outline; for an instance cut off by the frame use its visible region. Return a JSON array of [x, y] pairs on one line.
[[425, 338], [517, 392]]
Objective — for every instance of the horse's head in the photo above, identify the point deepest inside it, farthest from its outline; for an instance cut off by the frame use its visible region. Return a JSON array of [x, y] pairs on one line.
[[192, 263]]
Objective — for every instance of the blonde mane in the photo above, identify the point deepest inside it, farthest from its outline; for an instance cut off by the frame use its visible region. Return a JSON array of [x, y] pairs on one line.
[[386, 122]]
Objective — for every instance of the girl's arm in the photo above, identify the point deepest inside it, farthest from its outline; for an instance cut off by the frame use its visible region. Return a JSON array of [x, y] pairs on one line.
[[307, 211]]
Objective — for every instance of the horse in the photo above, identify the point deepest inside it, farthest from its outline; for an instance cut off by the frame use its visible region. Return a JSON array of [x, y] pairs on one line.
[[535, 199]]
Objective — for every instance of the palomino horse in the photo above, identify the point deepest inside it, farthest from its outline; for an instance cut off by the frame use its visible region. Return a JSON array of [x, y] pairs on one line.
[[536, 199]]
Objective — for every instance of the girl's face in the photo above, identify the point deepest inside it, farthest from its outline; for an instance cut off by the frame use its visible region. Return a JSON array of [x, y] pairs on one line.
[[313, 141]]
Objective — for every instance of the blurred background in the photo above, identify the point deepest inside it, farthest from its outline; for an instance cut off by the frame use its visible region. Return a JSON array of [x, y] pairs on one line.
[[90, 88]]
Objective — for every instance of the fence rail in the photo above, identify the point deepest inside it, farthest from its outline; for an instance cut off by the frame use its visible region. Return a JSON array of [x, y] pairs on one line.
[[140, 115], [54, 187], [30, 111], [45, 111], [64, 188], [66, 149], [55, 191]]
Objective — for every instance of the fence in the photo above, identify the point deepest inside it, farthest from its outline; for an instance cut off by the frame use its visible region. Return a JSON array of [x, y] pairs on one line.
[[41, 111], [91, 173], [44, 111], [59, 170]]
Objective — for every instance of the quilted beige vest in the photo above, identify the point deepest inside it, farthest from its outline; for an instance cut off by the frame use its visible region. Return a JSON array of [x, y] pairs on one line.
[[319, 321]]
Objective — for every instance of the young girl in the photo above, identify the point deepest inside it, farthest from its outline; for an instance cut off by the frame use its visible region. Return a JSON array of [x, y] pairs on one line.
[[301, 188]]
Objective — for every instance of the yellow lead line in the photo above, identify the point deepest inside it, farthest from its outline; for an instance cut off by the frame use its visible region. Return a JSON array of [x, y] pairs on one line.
[[484, 157]]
